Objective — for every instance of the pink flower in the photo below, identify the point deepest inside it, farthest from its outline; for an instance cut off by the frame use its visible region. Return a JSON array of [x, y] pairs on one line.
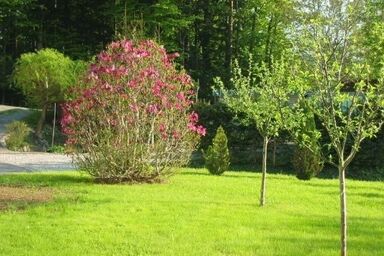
[[107, 87], [88, 93], [114, 45], [141, 53], [193, 117], [162, 127], [150, 73], [133, 83], [166, 62], [176, 135], [180, 96], [153, 109], [116, 71], [68, 131], [184, 79], [66, 120], [173, 56], [127, 45], [70, 141], [201, 130], [192, 127], [103, 56], [156, 90], [119, 72], [163, 131], [160, 83]]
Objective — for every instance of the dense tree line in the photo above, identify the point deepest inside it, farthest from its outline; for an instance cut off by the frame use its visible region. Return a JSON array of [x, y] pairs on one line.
[[209, 35]]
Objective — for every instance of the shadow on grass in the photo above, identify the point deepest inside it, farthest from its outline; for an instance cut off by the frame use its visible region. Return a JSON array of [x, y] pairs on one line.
[[232, 174], [225, 175], [350, 187], [369, 195], [47, 179], [365, 233]]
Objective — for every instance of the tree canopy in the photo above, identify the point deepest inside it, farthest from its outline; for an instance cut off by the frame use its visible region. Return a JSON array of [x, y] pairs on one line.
[[43, 77]]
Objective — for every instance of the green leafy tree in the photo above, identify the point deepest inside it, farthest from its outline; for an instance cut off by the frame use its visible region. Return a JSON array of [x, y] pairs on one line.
[[217, 155], [43, 77], [262, 97], [339, 85], [371, 35]]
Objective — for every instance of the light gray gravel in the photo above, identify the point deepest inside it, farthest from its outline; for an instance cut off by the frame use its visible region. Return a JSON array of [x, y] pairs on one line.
[[27, 161], [33, 161]]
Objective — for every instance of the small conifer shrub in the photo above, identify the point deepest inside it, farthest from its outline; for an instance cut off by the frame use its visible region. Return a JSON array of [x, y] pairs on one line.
[[217, 155], [17, 136], [307, 164]]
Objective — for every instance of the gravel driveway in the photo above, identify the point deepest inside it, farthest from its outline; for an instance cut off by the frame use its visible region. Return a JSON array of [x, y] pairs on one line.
[[11, 161], [33, 161]]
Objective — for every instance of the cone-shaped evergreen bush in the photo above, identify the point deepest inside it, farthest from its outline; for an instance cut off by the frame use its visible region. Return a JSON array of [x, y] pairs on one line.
[[217, 155], [308, 163]]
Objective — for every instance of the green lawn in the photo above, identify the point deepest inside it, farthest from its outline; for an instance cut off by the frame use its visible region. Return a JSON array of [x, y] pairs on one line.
[[193, 214]]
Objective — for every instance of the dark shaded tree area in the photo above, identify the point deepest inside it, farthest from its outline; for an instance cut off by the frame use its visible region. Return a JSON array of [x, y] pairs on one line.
[[208, 34], [78, 29]]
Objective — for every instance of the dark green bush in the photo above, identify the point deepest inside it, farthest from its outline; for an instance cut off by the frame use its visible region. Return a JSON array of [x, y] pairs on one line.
[[17, 136], [239, 134], [306, 163], [217, 155]]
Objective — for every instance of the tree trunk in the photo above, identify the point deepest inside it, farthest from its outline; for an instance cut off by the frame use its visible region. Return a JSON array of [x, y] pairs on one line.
[[53, 125], [274, 153], [40, 123], [229, 42], [267, 50], [236, 43], [343, 211], [253, 33], [264, 172]]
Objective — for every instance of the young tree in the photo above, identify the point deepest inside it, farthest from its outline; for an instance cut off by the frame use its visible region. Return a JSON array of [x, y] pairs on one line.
[[43, 76], [341, 90], [261, 96], [217, 155]]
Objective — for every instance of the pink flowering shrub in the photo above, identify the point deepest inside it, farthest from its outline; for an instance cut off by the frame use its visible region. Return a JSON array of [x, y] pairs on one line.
[[130, 120]]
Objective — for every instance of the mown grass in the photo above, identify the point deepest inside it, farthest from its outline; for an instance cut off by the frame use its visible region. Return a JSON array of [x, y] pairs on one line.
[[193, 214]]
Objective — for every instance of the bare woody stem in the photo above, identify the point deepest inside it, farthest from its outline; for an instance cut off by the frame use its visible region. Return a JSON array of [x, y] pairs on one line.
[[264, 171]]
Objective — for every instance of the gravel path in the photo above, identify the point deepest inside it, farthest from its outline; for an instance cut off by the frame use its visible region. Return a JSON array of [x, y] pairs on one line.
[[33, 161], [11, 161]]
